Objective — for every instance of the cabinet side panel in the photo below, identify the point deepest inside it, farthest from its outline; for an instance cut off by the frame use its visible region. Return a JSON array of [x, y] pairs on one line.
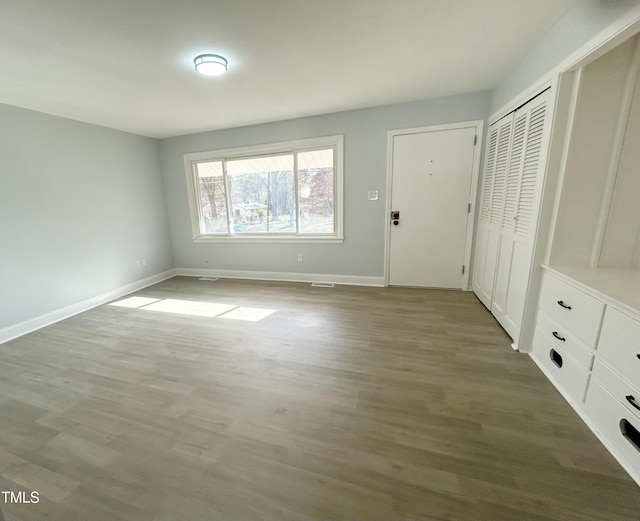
[[596, 117], [623, 222]]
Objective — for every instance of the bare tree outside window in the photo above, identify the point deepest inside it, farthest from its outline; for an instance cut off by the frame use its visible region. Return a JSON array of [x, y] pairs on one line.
[[316, 191], [213, 204], [289, 193], [262, 194]]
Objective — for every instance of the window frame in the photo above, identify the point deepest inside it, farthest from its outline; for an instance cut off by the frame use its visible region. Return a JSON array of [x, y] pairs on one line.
[[294, 147]]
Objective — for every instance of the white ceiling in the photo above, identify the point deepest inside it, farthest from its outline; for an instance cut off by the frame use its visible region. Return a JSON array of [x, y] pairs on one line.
[[128, 64]]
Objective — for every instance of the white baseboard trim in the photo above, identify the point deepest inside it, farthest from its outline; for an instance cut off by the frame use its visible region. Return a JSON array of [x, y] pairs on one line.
[[352, 280], [32, 324]]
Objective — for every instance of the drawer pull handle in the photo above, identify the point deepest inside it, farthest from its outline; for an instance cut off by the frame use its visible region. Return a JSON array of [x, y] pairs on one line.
[[631, 433], [632, 401], [555, 334], [556, 357], [563, 305]]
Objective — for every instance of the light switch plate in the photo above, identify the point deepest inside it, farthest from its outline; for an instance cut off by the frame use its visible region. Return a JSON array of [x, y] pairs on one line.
[[372, 195]]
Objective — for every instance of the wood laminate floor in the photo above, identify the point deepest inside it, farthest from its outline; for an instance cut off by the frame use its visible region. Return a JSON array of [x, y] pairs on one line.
[[345, 403]]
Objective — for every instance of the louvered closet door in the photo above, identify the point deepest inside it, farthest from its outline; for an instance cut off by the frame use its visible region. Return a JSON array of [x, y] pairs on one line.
[[491, 203], [523, 188]]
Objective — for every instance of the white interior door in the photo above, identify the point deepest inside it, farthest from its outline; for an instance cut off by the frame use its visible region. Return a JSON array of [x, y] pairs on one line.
[[432, 174]]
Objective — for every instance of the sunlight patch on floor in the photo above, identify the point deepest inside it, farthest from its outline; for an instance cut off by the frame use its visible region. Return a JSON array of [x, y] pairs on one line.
[[248, 314], [190, 307], [134, 302], [195, 308]]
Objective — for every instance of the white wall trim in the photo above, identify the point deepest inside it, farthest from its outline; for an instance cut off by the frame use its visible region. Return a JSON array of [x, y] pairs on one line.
[[479, 127], [270, 239], [351, 280], [289, 147], [32, 324]]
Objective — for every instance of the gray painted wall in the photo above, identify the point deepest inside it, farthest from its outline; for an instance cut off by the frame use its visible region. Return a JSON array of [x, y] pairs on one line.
[[583, 22], [79, 204], [365, 165]]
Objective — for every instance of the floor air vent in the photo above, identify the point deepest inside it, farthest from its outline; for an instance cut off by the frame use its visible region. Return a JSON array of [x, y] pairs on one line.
[[323, 284], [208, 278]]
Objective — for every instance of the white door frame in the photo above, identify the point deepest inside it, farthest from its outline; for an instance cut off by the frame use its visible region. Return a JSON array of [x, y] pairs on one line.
[[471, 219]]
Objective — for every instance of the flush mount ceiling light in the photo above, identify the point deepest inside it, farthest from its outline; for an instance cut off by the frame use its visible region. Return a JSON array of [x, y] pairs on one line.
[[210, 64]]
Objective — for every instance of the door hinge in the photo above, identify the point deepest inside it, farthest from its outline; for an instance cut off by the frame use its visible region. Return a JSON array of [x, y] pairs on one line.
[[475, 140], [469, 208], [463, 269]]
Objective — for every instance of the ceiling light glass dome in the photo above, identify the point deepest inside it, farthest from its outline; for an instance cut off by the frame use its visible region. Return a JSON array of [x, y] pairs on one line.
[[210, 64]]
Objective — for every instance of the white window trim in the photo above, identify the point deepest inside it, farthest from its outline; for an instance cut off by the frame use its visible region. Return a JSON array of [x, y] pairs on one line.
[[299, 145]]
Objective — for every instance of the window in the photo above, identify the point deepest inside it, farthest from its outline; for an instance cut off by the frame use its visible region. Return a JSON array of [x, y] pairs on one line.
[[286, 192]]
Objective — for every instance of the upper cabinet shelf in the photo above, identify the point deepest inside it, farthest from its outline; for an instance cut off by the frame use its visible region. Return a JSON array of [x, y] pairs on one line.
[[595, 230]]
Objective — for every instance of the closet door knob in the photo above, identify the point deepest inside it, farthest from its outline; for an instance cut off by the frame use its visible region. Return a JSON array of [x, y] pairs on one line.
[[555, 334], [632, 401], [562, 304]]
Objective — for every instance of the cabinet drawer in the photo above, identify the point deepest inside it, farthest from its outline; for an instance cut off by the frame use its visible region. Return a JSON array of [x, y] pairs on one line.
[[619, 345], [557, 334], [579, 313], [622, 390], [616, 425], [565, 372]]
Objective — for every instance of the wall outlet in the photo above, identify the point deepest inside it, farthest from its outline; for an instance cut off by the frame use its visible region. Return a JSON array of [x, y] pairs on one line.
[[299, 257], [138, 264], [372, 195], [144, 262]]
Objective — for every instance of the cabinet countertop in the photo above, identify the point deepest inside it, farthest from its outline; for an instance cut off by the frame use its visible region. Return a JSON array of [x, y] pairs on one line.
[[621, 287]]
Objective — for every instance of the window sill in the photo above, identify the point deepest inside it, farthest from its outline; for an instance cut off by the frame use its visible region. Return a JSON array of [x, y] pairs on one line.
[[282, 239]]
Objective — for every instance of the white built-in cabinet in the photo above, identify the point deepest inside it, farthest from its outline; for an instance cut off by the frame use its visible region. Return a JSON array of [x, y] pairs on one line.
[[587, 325], [557, 248], [510, 198]]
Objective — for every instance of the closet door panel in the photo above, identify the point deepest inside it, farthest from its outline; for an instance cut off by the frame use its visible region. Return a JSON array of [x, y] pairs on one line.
[[481, 285], [479, 265], [514, 173], [518, 286], [500, 174], [491, 202], [517, 234], [493, 240], [510, 209], [510, 203], [529, 195], [511, 286], [532, 170], [487, 181], [501, 291]]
